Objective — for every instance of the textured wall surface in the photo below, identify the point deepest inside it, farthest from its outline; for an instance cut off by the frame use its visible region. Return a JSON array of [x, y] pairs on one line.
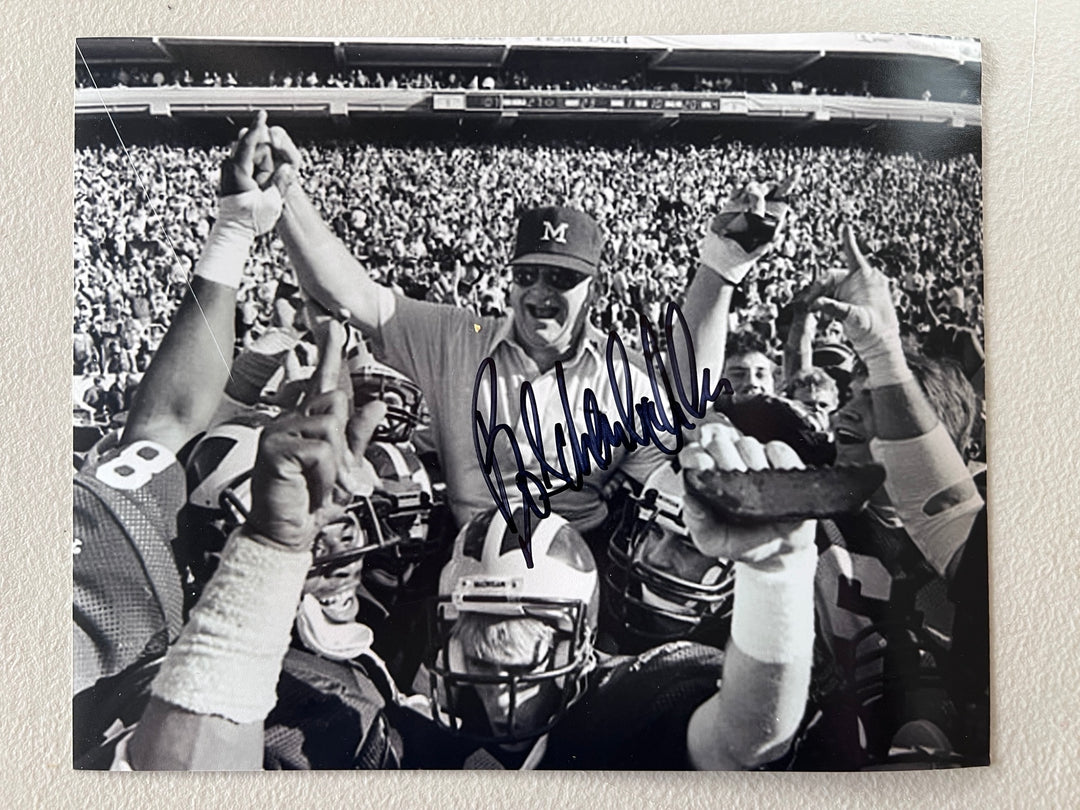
[[1030, 97]]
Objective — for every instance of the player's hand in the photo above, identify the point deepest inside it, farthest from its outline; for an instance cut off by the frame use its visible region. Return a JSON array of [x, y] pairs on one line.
[[748, 226], [355, 474], [302, 457], [723, 447], [287, 159], [247, 193], [858, 297], [295, 472]]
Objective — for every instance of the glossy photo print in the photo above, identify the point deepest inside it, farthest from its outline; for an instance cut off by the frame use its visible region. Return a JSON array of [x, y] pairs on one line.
[[591, 403]]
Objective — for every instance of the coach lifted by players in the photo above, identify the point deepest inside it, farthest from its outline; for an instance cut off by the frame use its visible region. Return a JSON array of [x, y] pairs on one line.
[[555, 264]]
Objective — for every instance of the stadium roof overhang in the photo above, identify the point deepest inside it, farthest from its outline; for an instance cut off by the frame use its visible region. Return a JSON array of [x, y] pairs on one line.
[[773, 53]]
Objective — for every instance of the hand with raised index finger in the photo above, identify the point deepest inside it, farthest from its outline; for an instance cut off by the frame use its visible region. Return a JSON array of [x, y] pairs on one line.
[[331, 380], [304, 455], [859, 298]]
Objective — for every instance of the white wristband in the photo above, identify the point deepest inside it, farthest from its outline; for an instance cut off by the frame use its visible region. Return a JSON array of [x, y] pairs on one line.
[[240, 218], [885, 363], [225, 254], [773, 618], [725, 257], [228, 658]]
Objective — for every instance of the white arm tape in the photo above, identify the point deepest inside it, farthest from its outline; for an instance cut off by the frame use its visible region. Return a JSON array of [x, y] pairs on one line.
[[915, 471], [885, 362], [724, 257], [240, 218], [773, 616], [228, 658]]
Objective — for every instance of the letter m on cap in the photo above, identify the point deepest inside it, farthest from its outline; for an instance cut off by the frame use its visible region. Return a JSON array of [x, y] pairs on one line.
[[554, 232]]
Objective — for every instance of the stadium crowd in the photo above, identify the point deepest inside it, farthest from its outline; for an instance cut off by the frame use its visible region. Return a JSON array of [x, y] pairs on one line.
[[433, 220]]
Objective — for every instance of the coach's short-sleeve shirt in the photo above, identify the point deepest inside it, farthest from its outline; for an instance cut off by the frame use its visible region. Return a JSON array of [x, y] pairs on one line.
[[440, 348]]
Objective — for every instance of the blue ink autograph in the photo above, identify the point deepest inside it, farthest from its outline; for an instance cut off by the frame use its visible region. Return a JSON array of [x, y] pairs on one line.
[[639, 424]]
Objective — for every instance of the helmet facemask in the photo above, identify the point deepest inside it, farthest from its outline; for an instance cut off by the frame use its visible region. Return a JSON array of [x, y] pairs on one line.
[[659, 586], [518, 697], [513, 644], [402, 397]]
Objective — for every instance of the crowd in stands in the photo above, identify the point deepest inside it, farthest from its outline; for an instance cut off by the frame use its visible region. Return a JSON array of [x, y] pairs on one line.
[[465, 79], [434, 220]]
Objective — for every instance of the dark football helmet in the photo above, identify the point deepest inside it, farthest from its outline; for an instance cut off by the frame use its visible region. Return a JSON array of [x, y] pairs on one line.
[[411, 507], [487, 584], [658, 586], [219, 486]]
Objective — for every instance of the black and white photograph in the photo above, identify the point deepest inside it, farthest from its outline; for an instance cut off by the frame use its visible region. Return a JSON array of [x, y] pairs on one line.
[[573, 403]]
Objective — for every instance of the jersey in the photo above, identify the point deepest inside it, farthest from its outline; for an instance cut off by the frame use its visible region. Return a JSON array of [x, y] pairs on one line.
[[633, 716], [330, 716], [128, 599], [885, 628]]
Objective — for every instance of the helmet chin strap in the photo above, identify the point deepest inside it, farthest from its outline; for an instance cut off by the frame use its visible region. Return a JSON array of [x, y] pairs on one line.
[[338, 642]]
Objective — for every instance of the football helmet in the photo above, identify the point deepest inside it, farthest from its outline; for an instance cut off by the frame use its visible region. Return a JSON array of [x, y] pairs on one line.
[[219, 486], [403, 399], [487, 580], [405, 496], [410, 505], [658, 586]]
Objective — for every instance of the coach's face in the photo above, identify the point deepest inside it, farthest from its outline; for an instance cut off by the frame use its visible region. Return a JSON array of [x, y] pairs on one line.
[[550, 307]]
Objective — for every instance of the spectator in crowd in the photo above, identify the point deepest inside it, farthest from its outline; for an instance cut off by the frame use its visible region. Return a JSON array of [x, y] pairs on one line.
[[130, 248], [747, 365]]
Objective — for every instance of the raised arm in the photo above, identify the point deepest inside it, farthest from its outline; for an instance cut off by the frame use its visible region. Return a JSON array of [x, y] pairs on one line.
[[725, 261], [183, 385], [762, 697], [927, 480], [326, 269], [218, 682]]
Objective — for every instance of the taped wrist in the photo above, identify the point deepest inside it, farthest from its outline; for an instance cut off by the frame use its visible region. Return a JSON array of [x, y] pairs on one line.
[[931, 489], [773, 617], [885, 362], [240, 218], [228, 658], [724, 257]]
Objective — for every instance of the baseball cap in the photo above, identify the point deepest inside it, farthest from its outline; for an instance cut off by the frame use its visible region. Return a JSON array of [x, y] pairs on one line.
[[559, 237]]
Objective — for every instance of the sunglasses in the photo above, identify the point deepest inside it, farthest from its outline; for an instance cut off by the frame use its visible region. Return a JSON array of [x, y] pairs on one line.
[[558, 278]]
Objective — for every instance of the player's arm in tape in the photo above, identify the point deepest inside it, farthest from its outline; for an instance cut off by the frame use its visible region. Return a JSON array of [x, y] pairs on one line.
[[326, 269], [926, 478], [184, 383], [218, 682], [764, 685], [745, 229]]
